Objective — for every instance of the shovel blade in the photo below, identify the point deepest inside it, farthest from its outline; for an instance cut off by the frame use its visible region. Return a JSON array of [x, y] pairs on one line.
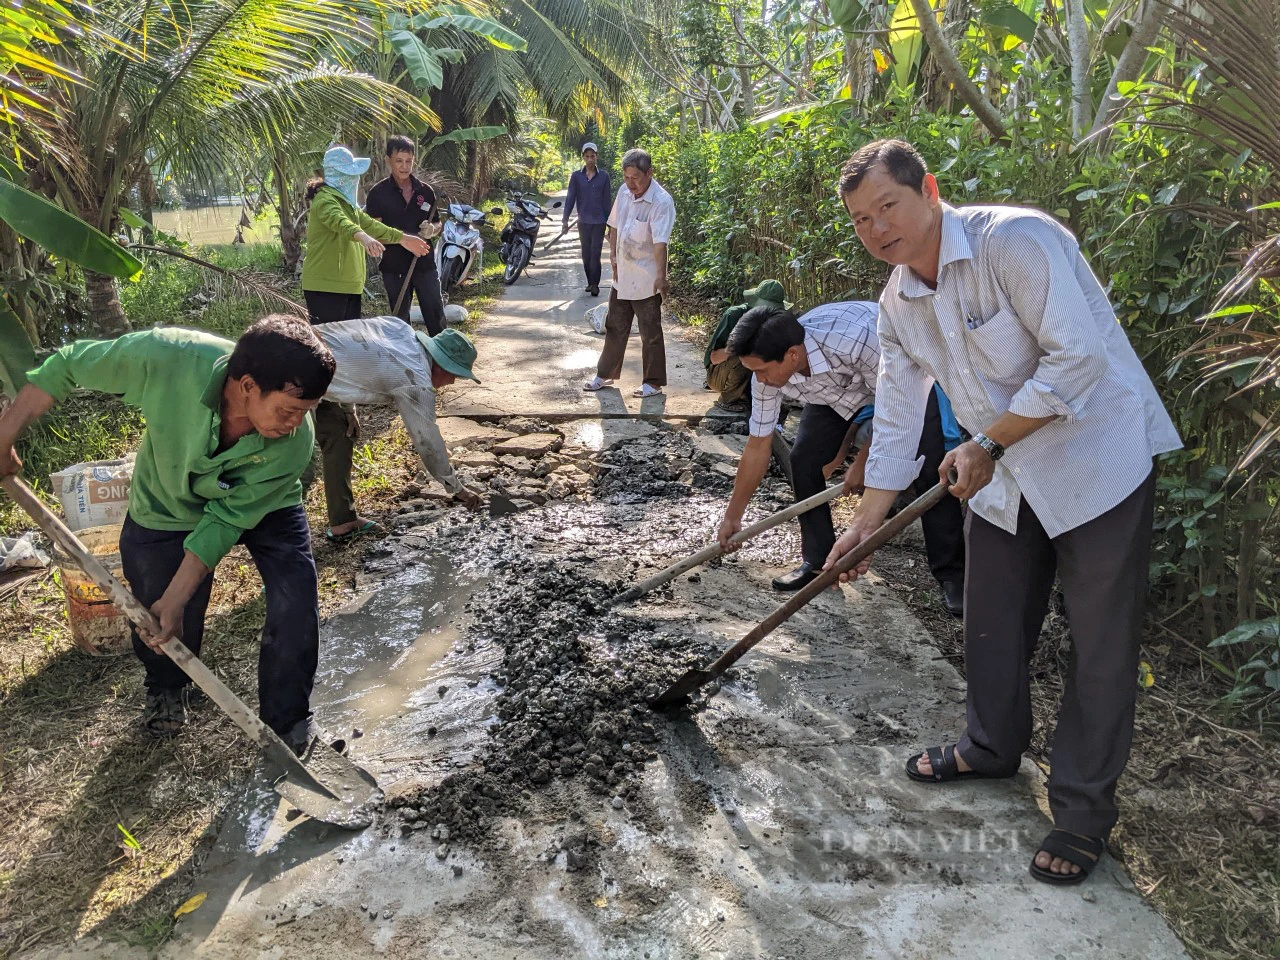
[[677, 695], [331, 788]]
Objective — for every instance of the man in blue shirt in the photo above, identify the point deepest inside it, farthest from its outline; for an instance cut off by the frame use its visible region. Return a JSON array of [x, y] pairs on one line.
[[591, 192]]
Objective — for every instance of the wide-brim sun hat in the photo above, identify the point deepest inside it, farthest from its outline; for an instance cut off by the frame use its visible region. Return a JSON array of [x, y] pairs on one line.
[[767, 291], [450, 350], [342, 160]]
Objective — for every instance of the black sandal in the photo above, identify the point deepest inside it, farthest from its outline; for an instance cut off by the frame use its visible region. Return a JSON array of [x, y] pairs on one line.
[[1083, 852], [942, 762], [165, 714]]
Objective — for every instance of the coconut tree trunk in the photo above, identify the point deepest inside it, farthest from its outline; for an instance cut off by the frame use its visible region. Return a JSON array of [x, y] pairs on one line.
[[290, 237], [937, 92], [1130, 64], [955, 71], [1078, 45], [106, 313]]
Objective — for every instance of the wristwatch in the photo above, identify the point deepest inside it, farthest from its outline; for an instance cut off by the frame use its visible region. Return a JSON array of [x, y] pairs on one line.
[[994, 450]]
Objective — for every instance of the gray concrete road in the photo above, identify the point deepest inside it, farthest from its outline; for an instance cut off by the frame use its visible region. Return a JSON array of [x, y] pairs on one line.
[[536, 349]]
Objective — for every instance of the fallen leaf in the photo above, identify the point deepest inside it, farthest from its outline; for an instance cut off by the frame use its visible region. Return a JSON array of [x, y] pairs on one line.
[[1146, 676], [191, 905]]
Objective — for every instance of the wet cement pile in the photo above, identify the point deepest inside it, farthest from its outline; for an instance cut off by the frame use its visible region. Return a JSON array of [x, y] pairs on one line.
[[576, 674], [575, 680], [667, 464]]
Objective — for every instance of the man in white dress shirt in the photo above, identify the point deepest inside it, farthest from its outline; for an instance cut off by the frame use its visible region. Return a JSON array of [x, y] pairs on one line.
[[998, 305], [639, 231]]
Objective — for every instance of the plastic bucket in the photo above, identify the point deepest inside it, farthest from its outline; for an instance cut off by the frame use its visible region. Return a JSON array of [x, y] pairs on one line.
[[97, 626]]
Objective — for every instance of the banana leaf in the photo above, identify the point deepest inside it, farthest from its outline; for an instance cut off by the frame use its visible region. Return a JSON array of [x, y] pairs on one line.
[[17, 356], [63, 234], [470, 133]]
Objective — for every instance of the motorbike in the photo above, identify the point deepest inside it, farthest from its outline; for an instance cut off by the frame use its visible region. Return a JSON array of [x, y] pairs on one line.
[[520, 234], [459, 248]]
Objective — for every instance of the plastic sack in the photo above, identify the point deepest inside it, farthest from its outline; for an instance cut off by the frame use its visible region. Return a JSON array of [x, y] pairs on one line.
[[94, 494], [21, 553]]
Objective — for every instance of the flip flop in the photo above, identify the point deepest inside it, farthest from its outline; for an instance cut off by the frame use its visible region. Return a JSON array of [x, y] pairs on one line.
[[1083, 852], [369, 526]]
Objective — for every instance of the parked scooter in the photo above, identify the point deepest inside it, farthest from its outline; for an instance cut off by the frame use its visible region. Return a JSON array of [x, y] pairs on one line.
[[460, 247], [520, 234]]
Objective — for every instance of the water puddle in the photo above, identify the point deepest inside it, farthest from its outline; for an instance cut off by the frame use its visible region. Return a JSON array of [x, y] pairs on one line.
[[382, 655]]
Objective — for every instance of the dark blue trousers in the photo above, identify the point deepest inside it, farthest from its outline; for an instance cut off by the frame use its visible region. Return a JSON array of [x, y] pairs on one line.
[[281, 549], [591, 240]]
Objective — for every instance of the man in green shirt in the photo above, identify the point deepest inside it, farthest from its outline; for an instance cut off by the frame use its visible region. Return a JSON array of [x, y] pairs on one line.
[[726, 373], [227, 438]]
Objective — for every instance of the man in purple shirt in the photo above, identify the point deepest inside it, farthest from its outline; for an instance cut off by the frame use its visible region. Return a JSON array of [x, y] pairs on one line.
[[591, 192]]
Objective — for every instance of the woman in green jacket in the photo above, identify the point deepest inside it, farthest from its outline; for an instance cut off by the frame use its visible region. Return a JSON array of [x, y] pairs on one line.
[[339, 234]]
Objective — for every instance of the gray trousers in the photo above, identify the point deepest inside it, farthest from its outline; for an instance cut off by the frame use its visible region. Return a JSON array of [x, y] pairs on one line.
[[1102, 567]]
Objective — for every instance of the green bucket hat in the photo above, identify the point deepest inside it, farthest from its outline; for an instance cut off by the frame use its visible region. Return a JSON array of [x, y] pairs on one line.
[[451, 350], [767, 291]]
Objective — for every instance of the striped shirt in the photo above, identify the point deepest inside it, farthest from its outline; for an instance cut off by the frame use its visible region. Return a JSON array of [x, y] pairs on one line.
[[1018, 323], [380, 360], [844, 354]]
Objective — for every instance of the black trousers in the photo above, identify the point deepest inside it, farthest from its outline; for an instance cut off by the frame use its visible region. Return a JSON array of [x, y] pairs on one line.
[[591, 240], [818, 438], [425, 282], [1102, 568], [325, 307], [281, 549], [336, 447]]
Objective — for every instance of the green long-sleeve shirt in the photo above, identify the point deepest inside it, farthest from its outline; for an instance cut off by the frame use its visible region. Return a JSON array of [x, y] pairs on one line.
[[335, 259], [180, 482], [720, 338]]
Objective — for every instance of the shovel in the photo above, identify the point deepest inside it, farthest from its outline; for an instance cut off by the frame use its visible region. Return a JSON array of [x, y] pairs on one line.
[[679, 691], [556, 239], [328, 787], [404, 287], [711, 551]]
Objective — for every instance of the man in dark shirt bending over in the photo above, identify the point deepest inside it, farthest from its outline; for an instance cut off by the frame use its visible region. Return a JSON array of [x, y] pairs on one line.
[[406, 203]]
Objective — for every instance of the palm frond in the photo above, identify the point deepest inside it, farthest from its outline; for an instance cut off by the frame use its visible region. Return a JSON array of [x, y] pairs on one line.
[[1235, 106], [294, 113]]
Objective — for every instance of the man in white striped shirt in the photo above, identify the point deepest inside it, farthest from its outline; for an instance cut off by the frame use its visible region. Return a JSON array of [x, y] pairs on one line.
[[998, 305], [384, 360], [827, 359]]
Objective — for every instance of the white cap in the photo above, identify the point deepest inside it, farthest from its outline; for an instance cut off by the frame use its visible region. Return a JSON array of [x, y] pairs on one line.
[[589, 146]]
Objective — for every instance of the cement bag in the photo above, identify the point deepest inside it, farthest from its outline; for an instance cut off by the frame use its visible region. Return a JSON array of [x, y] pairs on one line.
[[21, 554], [94, 494], [596, 317]]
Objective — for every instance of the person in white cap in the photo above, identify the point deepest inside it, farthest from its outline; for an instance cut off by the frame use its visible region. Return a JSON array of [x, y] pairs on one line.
[[337, 230], [592, 193]]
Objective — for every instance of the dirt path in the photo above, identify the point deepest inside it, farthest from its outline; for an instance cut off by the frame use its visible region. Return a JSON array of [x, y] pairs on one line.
[[537, 349], [538, 810]]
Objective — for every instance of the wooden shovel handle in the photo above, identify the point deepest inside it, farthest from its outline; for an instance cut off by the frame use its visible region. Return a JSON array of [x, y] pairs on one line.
[[886, 532], [145, 620], [713, 550]]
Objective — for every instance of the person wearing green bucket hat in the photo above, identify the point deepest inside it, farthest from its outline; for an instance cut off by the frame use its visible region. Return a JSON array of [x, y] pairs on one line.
[[384, 360], [726, 373]]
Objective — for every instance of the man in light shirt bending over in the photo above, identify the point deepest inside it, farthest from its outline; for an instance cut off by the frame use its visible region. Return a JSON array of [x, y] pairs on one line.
[[384, 360], [997, 304]]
